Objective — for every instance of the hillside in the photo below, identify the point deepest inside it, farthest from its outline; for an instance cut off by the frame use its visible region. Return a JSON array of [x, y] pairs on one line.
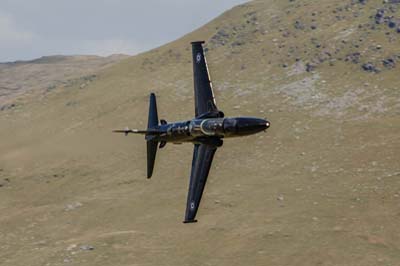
[[36, 77], [321, 187]]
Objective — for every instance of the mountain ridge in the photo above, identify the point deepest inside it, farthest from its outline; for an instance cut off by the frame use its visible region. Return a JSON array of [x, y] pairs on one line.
[[46, 73]]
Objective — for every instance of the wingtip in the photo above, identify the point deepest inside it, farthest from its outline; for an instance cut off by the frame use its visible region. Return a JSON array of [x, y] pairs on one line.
[[198, 42], [189, 221], [149, 173]]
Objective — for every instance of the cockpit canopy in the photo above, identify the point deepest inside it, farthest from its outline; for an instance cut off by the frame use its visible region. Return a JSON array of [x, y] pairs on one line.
[[227, 126]]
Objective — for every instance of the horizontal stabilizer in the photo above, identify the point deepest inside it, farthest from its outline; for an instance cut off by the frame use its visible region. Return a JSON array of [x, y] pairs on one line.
[[153, 115], [151, 156]]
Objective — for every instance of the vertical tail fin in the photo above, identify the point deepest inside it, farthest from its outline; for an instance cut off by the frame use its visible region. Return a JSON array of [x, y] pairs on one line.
[[151, 143]]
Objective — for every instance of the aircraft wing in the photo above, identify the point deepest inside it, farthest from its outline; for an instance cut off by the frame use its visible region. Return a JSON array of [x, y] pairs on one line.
[[203, 93], [203, 155]]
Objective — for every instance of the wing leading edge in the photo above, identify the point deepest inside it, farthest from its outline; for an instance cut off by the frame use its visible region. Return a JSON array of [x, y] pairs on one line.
[[203, 93], [203, 155]]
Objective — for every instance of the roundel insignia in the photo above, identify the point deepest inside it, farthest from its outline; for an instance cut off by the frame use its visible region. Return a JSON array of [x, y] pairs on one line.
[[192, 205], [198, 58]]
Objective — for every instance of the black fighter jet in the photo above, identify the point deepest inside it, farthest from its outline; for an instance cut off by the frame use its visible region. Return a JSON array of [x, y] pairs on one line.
[[205, 131]]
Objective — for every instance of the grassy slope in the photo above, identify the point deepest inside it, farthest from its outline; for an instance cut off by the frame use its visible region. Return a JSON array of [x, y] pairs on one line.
[[320, 188]]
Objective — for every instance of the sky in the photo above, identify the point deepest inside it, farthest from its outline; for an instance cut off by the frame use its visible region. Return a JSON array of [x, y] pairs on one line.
[[33, 28]]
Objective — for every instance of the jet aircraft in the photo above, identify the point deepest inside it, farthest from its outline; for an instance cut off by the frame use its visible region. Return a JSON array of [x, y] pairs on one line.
[[206, 131]]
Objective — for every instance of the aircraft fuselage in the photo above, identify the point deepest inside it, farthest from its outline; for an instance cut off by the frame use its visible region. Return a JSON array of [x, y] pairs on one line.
[[208, 129]]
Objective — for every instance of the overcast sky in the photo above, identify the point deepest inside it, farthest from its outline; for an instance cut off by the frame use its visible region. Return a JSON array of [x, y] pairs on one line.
[[33, 28]]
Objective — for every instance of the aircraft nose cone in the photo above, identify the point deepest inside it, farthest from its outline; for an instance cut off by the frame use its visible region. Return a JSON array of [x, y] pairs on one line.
[[263, 124], [250, 125]]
